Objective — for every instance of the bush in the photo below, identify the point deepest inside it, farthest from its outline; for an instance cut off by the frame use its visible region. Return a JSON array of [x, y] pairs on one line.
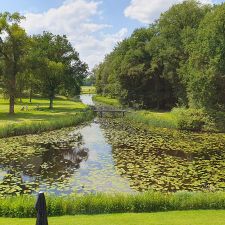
[[194, 120]]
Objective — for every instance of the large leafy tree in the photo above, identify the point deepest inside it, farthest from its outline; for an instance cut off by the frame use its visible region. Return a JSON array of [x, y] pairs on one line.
[[58, 65], [14, 45], [176, 30], [207, 62]]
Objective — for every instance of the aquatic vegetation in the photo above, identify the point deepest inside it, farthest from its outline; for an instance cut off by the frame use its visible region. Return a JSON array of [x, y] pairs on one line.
[[51, 162], [45, 161], [166, 160], [112, 155]]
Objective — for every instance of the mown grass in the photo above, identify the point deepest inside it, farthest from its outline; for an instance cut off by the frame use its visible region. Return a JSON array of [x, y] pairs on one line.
[[65, 113], [23, 206], [88, 90], [107, 100], [207, 217]]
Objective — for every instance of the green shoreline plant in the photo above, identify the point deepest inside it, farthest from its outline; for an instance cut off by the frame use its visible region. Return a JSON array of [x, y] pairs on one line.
[[23, 206], [38, 127]]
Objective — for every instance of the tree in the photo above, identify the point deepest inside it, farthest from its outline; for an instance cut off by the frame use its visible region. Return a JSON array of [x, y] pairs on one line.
[[53, 78], [176, 29], [58, 65], [206, 86], [13, 47]]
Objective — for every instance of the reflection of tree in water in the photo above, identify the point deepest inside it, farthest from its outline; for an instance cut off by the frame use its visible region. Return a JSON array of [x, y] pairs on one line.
[[55, 163]]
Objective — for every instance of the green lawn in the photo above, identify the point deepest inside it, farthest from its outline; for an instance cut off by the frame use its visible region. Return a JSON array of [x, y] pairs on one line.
[[63, 110], [166, 218], [88, 90]]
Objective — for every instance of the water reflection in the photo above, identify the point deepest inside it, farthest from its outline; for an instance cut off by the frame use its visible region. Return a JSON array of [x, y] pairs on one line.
[[52, 165]]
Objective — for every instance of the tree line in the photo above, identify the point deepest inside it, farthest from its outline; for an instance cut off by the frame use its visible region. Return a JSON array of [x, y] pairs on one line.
[[177, 60], [44, 64]]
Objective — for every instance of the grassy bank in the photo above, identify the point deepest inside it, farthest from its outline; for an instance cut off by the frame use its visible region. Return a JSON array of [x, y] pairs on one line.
[[198, 120], [107, 100], [206, 217], [23, 206], [65, 113], [154, 119]]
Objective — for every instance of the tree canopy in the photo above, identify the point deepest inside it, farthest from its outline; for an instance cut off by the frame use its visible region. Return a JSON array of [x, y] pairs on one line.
[[177, 60]]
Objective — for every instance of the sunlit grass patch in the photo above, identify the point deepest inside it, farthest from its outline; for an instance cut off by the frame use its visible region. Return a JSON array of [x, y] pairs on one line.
[[107, 100], [37, 117]]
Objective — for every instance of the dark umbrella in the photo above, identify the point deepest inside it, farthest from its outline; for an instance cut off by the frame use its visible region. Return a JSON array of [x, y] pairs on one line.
[[41, 208]]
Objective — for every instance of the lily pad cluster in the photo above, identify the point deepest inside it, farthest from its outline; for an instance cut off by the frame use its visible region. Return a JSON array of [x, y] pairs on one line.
[[43, 161], [166, 160]]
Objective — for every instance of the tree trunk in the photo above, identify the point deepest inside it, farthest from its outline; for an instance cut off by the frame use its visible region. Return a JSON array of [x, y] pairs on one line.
[[12, 96], [30, 95], [157, 91], [11, 104], [51, 103]]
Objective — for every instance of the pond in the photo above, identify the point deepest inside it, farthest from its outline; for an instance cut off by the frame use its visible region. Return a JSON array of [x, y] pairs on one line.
[[111, 155]]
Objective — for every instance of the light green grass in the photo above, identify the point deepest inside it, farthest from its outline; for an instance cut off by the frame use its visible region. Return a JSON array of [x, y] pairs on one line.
[[165, 218], [65, 113], [154, 119], [107, 100], [88, 90]]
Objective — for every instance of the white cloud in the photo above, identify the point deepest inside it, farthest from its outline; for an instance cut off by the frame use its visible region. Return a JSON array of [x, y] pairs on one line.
[[146, 11], [76, 19]]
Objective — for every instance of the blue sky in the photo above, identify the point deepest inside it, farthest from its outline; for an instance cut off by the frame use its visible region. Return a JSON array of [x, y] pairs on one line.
[[93, 26]]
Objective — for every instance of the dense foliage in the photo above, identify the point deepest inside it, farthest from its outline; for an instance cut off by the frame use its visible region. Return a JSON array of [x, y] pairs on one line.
[[178, 60], [45, 64]]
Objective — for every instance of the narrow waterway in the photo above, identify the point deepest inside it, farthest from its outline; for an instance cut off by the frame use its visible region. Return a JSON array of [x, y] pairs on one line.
[[74, 160], [112, 155], [98, 172]]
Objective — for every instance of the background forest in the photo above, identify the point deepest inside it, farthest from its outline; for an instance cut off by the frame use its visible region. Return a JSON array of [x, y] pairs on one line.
[[178, 61]]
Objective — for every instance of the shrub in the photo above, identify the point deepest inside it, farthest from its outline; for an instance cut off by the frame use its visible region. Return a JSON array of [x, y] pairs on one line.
[[194, 120]]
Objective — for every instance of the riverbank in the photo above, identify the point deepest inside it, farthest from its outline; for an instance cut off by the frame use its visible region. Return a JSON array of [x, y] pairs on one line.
[[36, 117], [197, 120], [206, 217], [23, 206]]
